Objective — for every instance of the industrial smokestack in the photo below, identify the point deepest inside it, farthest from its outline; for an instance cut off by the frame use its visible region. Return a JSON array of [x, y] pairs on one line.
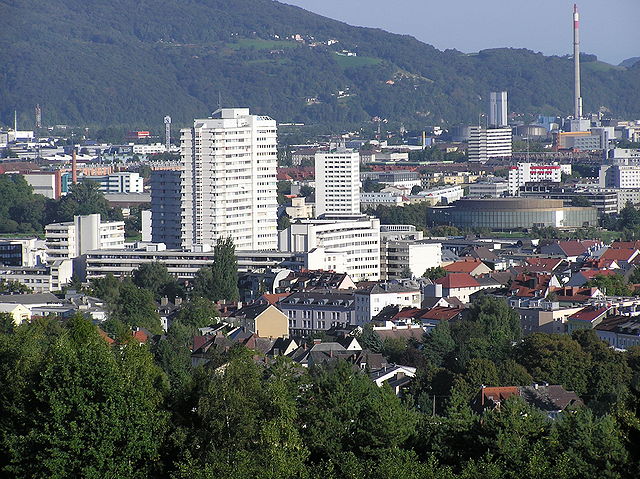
[[577, 114], [74, 167]]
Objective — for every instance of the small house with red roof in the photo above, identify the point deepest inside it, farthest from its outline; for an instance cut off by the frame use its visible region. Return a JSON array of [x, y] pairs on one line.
[[624, 257], [459, 285], [471, 266], [571, 250]]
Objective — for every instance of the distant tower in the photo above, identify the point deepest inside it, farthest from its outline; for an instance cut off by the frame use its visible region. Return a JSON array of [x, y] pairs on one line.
[[15, 120], [38, 117], [167, 132], [577, 113], [498, 109]]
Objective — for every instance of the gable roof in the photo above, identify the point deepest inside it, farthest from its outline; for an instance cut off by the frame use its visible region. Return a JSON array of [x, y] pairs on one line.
[[457, 280], [619, 254], [547, 265], [440, 313], [590, 313], [464, 266]]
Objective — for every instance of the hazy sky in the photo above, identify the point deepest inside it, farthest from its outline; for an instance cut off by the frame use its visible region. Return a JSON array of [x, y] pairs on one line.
[[609, 28]]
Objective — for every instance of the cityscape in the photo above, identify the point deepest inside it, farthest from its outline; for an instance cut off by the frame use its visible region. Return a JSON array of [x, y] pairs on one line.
[[383, 295]]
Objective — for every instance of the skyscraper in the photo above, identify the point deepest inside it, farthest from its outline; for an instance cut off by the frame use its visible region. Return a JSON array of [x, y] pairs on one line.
[[337, 182], [486, 143], [228, 180], [498, 114]]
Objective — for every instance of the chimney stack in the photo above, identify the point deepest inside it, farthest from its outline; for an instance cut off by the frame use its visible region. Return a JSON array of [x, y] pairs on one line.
[[576, 64], [74, 166]]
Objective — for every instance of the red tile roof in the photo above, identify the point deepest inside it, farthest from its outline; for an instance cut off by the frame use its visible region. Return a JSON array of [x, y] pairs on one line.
[[464, 266], [457, 280], [573, 248], [619, 254], [106, 337], [589, 313], [592, 273], [274, 298], [441, 313], [498, 394], [543, 264]]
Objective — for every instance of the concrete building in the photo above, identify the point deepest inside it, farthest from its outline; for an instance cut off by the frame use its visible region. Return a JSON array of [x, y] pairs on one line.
[[183, 264], [619, 176], [41, 279], [370, 301], [579, 140], [263, 320], [122, 182], [606, 201], [343, 244], [374, 199], [525, 173], [438, 195], [506, 214], [487, 143], [397, 257], [489, 189], [498, 115], [22, 252], [150, 149], [337, 182], [166, 208], [300, 208], [85, 233], [399, 178], [228, 182], [45, 183]]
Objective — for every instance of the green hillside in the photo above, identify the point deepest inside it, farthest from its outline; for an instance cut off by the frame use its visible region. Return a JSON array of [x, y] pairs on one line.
[[118, 62]]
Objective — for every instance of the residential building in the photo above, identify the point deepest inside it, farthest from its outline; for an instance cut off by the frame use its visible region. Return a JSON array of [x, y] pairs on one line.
[[337, 182], [228, 182], [344, 244], [22, 252], [149, 149], [264, 320], [166, 208], [85, 233], [19, 314], [300, 208], [459, 285], [621, 332], [370, 301], [486, 143], [41, 279], [440, 195], [471, 266], [587, 318], [399, 258], [498, 114], [403, 178], [314, 311], [373, 199]]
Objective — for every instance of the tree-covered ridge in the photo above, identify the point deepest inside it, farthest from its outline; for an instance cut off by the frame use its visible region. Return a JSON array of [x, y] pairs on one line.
[[116, 63]]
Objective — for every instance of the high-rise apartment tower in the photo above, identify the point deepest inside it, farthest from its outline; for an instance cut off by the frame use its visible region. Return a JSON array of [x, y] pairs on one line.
[[228, 180], [498, 109], [337, 182]]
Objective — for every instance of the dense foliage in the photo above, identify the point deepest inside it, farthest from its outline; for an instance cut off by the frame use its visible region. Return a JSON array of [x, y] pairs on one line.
[[102, 67]]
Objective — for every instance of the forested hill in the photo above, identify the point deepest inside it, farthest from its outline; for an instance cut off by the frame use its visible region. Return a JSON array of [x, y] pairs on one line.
[[118, 62]]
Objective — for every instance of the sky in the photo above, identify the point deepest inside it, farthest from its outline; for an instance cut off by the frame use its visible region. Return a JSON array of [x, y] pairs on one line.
[[609, 28]]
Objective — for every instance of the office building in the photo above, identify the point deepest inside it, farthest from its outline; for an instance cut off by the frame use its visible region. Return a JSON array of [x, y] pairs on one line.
[[123, 182], [343, 244], [489, 189], [40, 279], [525, 173], [166, 208], [372, 300], [74, 238], [487, 143], [22, 252], [337, 182], [402, 258], [228, 181], [498, 109]]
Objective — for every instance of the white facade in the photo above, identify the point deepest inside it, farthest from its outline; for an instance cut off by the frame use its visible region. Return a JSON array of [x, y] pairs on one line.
[[498, 109], [43, 183], [532, 172], [619, 176], [344, 245], [228, 180], [85, 233], [397, 256], [373, 199], [492, 189], [41, 279], [337, 182], [371, 301], [123, 182], [486, 143], [152, 149], [22, 252]]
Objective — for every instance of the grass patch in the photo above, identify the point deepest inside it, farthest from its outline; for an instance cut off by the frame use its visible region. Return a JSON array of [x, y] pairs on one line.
[[600, 66], [354, 62]]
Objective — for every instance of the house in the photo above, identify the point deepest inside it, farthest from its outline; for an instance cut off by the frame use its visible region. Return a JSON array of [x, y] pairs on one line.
[[587, 318], [18, 312], [545, 265], [396, 376], [372, 299], [571, 250], [550, 399], [319, 310], [264, 320], [574, 296], [310, 280], [533, 285], [582, 277], [471, 266], [460, 285], [539, 315], [621, 332], [623, 257]]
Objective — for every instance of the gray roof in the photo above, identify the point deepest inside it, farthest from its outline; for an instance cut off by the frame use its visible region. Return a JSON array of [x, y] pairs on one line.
[[33, 298]]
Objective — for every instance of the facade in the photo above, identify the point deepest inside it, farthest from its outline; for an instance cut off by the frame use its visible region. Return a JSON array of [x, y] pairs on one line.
[[41, 279], [228, 181], [579, 140], [22, 252], [344, 244], [525, 173], [315, 311], [399, 256], [439, 195], [619, 176], [498, 115], [182, 264], [486, 143], [72, 239], [166, 208], [337, 182], [373, 199], [491, 189], [370, 301], [264, 320], [400, 178], [513, 213], [300, 208], [123, 182], [45, 183], [606, 201], [150, 149]]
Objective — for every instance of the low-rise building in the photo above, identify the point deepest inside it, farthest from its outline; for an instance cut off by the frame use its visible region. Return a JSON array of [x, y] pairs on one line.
[[407, 258], [373, 299], [316, 311], [41, 279], [264, 320]]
